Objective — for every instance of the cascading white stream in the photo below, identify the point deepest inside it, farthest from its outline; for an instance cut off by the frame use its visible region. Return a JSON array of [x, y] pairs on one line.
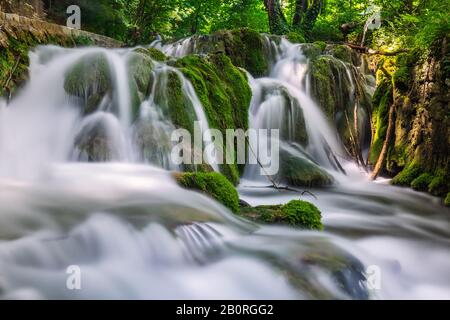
[[135, 234]]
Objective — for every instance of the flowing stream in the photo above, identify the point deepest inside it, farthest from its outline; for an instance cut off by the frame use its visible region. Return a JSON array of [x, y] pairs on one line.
[[135, 234]]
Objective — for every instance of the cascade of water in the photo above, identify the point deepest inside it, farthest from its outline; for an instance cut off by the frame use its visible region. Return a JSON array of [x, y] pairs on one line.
[[282, 102], [57, 129], [135, 234]]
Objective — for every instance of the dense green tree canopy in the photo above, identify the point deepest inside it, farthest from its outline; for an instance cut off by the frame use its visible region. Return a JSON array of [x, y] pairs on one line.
[[412, 23]]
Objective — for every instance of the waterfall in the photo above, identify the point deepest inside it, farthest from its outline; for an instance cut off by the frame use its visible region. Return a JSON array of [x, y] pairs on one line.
[[85, 183], [65, 127]]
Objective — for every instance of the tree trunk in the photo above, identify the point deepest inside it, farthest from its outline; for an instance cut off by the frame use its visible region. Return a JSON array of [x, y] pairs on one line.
[[300, 8], [277, 20], [310, 17], [387, 140]]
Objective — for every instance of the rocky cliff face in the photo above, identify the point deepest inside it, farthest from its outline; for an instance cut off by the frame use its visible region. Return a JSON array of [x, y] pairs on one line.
[[18, 35], [418, 87]]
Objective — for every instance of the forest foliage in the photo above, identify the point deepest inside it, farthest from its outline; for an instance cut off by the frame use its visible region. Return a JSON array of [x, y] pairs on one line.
[[404, 23]]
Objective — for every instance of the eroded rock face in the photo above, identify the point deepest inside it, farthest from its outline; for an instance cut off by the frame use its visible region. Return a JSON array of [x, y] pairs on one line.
[[19, 34], [246, 48], [342, 86], [419, 152], [89, 80]]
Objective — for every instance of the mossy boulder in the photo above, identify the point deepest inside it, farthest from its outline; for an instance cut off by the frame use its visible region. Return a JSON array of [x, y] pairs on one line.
[[291, 123], [295, 37], [381, 101], [321, 44], [213, 184], [171, 99], [332, 88], [89, 79], [302, 172], [447, 200], [224, 93], [421, 182], [140, 67], [311, 50], [439, 184], [95, 142], [407, 175], [297, 213], [245, 47], [152, 53], [343, 53]]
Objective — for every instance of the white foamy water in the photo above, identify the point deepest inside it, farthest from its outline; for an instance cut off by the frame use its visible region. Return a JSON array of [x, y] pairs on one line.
[[135, 234]]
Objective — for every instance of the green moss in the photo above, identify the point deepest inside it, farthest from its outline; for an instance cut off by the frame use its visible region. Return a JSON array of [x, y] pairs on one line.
[[296, 213], [224, 93], [245, 48], [90, 80], [153, 53], [447, 200], [342, 52], [404, 63], [311, 50], [14, 59], [407, 175], [439, 185], [140, 68], [302, 172], [214, 184], [382, 99], [321, 44], [421, 182], [83, 40], [330, 85], [296, 37], [174, 103]]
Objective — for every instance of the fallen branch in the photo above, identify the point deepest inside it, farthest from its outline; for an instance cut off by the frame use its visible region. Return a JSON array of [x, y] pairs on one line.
[[382, 157], [370, 51], [262, 167], [287, 188], [13, 70]]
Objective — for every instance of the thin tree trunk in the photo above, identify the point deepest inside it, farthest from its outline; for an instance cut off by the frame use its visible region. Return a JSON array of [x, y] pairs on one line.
[[310, 17], [277, 20], [300, 8], [387, 140]]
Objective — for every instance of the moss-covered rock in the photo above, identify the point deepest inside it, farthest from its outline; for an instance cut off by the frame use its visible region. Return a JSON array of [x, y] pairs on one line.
[[439, 184], [295, 37], [344, 53], [302, 172], [447, 200], [405, 177], [224, 93], [321, 44], [90, 80], [336, 89], [311, 50], [153, 53], [20, 35], [421, 182], [330, 85], [94, 143], [296, 213], [420, 148], [213, 184], [382, 99], [245, 47]]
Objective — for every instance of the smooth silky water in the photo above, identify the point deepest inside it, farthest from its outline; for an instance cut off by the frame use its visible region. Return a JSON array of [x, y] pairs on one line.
[[135, 234]]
